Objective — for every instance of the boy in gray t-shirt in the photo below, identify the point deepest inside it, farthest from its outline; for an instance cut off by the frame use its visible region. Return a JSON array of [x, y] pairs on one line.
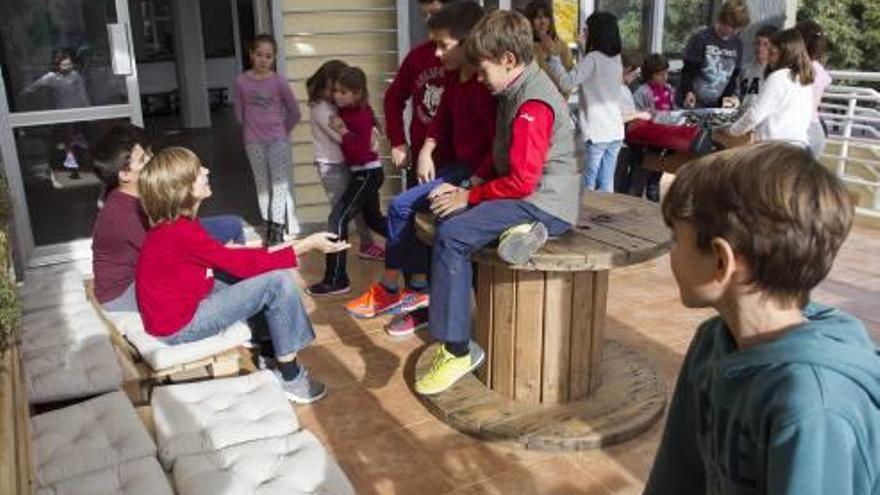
[[712, 59]]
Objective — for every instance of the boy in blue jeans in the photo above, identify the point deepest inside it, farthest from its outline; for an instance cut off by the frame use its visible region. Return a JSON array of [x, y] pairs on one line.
[[776, 395], [536, 190], [467, 113]]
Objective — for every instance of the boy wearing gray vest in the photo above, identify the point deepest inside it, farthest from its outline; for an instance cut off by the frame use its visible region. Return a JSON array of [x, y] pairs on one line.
[[536, 191]]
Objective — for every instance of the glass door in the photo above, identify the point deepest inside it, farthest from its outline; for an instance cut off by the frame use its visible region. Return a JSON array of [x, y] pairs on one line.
[[68, 74]]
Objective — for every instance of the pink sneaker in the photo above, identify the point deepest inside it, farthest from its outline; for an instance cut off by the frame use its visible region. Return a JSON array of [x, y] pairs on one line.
[[372, 251], [413, 300], [406, 324]]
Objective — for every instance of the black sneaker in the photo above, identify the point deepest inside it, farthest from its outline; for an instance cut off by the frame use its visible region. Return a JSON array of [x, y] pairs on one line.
[[326, 289], [518, 243]]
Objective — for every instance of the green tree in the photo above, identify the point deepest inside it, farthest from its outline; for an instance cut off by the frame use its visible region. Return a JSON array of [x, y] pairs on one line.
[[853, 30]]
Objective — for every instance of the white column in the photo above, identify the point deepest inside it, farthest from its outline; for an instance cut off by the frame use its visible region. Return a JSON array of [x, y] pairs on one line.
[[189, 59], [791, 7]]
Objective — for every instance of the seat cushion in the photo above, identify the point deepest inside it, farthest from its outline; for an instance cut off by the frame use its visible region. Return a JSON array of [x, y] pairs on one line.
[[59, 326], [160, 355], [71, 369], [292, 464], [194, 418], [86, 437], [142, 476]]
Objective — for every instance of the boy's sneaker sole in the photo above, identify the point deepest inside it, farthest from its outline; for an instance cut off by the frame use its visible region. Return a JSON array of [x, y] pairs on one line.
[[478, 355], [334, 292], [407, 324], [519, 247], [299, 400]]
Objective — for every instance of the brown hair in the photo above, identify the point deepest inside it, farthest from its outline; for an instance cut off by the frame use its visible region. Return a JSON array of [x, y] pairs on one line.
[[459, 18], [734, 13], [325, 76], [653, 64], [166, 182], [264, 38], [793, 55], [631, 59], [779, 209], [814, 39], [499, 32], [545, 8], [354, 79]]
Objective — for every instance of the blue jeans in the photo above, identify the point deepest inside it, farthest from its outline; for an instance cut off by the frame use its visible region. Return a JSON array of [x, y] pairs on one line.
[[403, 250], [222, 228], [601, 164], [274, 293], [458, 237]]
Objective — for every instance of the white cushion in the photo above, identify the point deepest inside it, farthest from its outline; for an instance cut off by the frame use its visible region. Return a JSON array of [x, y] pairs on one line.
[[292, 464], [160, 355], [59, 326], [93, 435], [202, 417], [139, 477], [71, 370]]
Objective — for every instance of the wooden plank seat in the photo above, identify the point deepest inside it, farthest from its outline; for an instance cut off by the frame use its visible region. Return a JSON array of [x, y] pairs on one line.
[[223, 356], [16, 460], [542, 325]]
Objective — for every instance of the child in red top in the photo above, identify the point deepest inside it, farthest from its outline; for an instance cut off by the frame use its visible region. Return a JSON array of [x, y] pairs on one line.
[[467, 112], [177, 295], [422, 78], [354, 122]]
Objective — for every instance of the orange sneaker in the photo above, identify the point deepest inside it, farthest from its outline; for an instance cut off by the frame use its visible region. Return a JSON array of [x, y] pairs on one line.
[[374, 302]]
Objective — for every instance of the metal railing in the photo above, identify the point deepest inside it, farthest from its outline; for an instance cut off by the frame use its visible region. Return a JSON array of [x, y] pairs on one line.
[[851, 109]]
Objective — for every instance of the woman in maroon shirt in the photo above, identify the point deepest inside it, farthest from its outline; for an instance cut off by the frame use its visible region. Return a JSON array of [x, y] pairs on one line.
[[177, 295]]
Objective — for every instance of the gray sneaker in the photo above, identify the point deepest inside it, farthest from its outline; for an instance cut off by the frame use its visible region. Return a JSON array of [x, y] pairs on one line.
[[303, 389], [518, 243], [265, 362]]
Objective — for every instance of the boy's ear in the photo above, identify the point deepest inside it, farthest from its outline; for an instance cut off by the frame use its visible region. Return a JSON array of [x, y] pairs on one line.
[[509, 61], [726, 262]]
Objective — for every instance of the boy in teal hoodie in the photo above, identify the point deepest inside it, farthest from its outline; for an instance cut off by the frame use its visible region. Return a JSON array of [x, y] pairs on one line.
[[776, 396]]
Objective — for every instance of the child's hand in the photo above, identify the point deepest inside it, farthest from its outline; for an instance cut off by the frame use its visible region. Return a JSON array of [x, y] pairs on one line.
[[398, 156], [326, 242], [730, 102], [690, 100], [375, 140], [338, 125], [425, 168], [548, 44], [441, 190], [454, 200], [643, 116]]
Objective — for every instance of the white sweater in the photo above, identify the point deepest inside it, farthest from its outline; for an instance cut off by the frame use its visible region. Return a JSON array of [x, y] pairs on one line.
[[599, 101], [782, 110], [324, 139]]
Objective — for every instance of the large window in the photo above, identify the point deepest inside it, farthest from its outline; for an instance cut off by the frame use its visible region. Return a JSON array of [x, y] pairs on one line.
[[683, 19], [630, 14]]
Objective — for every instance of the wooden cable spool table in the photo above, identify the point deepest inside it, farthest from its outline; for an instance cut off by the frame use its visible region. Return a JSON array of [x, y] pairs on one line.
[[550, 379]]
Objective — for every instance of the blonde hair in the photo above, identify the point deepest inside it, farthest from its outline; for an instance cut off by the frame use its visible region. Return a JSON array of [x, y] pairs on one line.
[[734, 13], [166, 182]]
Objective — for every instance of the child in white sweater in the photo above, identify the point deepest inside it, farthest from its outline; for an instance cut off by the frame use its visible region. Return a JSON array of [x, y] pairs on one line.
[[784, 107]]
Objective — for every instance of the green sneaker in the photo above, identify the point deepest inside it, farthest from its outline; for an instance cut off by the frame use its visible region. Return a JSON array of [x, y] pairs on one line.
[[446, 369], [517, 244]]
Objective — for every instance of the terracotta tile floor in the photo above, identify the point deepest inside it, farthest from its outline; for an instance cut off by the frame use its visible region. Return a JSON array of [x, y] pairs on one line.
[[390, 444]]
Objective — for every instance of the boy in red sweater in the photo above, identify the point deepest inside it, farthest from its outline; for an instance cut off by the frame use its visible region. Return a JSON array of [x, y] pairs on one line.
[[422, 78], [536, 190], [467, 112], [178, 297]]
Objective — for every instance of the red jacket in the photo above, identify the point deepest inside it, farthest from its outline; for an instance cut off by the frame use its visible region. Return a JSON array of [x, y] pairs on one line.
[[356, 146], [529, 142], [175, 271], [420, 76], [468, 110]]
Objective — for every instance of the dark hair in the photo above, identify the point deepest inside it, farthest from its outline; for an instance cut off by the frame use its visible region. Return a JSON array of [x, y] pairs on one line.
[[326, 75], [603, 34], [354, 79], [653, 64], [632, 59], [779, 209], [766, 31], [499, 32], [814, 39], [444, 2], [264, 38], [734, 13], [793, 55], [113, 152], [61, 54], [544, 7], [459, 18]]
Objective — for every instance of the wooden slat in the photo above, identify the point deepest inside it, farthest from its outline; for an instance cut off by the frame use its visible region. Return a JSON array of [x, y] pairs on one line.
[[8, 428], [483, 328], [321, 22], [25, 465], [557, 337], [581, 336], [529, 336], [335, 4], [504, 325], [600, 303]]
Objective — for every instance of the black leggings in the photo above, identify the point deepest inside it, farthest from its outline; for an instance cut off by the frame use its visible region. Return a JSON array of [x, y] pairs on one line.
[[361, 196]]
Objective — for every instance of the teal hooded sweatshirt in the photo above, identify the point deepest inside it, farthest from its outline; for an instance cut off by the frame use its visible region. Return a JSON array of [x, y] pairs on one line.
[[799, 415]]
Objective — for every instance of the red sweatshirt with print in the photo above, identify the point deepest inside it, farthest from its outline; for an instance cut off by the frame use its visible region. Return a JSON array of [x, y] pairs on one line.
[[175, 271]]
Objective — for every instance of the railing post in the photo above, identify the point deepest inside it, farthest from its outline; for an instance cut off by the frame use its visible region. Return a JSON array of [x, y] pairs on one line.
[[847, 133]]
